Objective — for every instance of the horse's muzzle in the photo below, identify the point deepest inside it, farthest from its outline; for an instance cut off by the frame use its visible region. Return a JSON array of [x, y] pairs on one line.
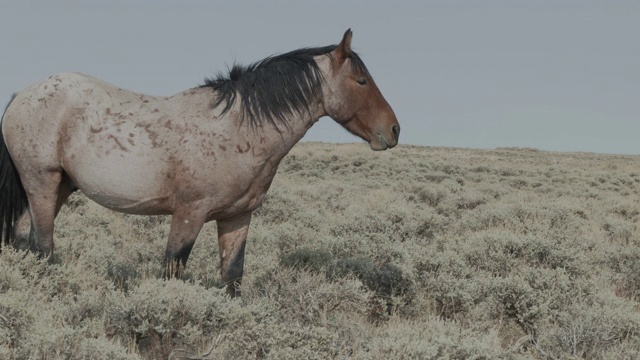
[[382, 142]]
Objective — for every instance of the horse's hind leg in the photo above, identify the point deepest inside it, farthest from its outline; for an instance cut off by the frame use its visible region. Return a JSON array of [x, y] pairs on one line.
[[46, 193], [24, 238], [21, 231]]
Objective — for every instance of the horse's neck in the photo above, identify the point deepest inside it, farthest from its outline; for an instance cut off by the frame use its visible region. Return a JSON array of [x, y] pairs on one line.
[[281, 140], [299, 124]]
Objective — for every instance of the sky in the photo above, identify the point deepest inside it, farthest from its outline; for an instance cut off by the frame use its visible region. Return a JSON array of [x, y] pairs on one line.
[[561, 75]]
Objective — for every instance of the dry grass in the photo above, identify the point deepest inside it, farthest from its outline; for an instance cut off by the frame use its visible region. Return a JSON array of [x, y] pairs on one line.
[[411, 253]]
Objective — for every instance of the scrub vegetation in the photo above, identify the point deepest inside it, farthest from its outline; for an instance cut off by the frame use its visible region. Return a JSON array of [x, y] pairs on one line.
[[416, 252]]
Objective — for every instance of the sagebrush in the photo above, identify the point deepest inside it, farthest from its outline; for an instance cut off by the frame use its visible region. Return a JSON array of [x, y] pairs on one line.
[[415, 252]]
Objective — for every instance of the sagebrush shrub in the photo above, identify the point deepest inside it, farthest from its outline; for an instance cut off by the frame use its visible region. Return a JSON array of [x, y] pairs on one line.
[[160, 315], [410, 253], [312, 259], [384, 280]]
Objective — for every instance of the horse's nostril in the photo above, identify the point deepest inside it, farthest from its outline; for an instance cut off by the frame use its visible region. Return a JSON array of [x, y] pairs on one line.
[[395, 129]]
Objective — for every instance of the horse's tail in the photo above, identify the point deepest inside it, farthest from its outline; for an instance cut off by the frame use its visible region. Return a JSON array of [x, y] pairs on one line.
[[13, 198]]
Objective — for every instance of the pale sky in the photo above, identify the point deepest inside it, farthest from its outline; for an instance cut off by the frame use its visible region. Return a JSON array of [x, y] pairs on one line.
[[560, 75]]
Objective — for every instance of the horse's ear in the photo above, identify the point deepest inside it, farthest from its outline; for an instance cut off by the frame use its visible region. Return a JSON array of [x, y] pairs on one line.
[[343, 51]]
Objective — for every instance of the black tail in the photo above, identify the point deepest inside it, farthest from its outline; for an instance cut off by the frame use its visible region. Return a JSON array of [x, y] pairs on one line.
[[13, 198]]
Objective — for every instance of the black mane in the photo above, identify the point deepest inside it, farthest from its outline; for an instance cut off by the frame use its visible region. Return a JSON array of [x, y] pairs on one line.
[[276, 87]]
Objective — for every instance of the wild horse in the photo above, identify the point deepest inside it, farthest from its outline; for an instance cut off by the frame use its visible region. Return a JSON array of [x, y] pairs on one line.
[[208, 153]]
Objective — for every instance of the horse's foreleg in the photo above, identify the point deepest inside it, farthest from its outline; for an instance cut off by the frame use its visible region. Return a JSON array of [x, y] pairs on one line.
[[232, 237], [185, 227]]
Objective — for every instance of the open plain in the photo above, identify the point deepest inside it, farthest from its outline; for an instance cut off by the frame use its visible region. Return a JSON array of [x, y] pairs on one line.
[[415, 252]]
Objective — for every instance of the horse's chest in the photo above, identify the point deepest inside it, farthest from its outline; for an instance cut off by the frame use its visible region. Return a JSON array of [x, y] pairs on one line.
[[243, 186]]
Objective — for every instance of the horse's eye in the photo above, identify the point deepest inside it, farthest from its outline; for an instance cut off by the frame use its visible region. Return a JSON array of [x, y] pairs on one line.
[[362, 81]]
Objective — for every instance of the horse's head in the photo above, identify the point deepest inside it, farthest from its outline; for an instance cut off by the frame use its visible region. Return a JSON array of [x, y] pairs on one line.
[[352, 98]]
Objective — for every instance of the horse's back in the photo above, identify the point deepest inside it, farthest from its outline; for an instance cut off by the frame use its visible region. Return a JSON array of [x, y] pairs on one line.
[[51, 100], [50, 113]]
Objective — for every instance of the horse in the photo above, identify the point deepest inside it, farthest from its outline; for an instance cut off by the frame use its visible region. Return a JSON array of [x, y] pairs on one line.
[[208, 153]]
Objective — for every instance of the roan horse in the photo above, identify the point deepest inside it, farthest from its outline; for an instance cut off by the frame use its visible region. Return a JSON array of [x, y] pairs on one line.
[[208, 153]]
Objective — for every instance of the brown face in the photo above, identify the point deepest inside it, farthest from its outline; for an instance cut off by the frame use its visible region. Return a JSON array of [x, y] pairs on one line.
[[355, 101]]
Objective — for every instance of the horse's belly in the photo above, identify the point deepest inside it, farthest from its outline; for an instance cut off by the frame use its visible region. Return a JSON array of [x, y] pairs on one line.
[[149, 206], [131, 187]]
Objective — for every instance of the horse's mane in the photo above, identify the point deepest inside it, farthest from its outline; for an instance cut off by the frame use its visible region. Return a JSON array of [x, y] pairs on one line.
[[276, 87]]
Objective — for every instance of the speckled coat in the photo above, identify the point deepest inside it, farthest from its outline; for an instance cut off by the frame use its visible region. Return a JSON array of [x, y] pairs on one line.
[[176, 155]]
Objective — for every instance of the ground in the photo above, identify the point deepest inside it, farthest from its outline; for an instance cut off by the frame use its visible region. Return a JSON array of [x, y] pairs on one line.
[[415, 252]]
